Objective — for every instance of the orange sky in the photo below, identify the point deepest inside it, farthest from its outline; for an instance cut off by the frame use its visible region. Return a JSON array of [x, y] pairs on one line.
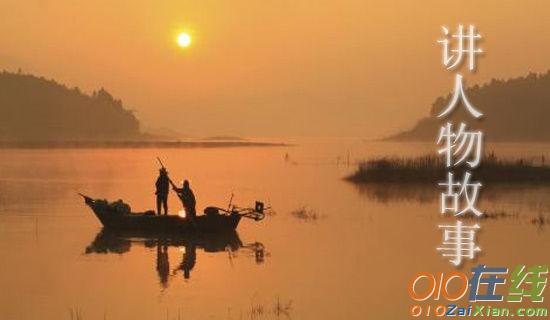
[[283, 68]]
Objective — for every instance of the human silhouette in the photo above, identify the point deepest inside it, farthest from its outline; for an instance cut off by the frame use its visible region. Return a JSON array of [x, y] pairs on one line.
[[187, 197], [163, 187], [188, 260], [163, 265]]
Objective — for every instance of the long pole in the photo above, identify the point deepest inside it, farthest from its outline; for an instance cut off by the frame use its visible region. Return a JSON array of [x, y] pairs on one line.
[[160, 161]]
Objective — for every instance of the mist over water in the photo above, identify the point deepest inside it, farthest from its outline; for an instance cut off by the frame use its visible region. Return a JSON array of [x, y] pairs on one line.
[[352, 261]]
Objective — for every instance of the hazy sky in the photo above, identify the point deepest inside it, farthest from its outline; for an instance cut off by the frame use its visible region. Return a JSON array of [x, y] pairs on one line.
[[283, 68]]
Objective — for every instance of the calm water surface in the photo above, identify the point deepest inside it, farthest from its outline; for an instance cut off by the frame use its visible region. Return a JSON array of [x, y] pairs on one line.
[[352, 262]]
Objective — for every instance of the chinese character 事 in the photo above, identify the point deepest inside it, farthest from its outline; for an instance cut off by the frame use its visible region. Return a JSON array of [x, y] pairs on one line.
[[459, 242]]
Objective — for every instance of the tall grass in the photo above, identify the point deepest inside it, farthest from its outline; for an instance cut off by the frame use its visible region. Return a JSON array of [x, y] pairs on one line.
[[431, 168], [75, 313], [305, 214]]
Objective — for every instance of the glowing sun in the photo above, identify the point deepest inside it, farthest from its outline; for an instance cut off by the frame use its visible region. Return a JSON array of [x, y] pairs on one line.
[[184, 40]]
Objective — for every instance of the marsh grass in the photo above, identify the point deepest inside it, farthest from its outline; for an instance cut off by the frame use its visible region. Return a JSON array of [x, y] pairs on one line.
[[282, 308], [279, 309], [540, 221], [431, 169], [494, 215], [305, 214], [75, 313]]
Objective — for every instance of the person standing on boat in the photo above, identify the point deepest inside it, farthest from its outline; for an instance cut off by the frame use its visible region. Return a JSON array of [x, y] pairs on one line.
[[187, 198], [163, 187]]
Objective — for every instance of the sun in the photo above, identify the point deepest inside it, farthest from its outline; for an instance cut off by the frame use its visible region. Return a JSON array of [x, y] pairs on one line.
[[184, 40]]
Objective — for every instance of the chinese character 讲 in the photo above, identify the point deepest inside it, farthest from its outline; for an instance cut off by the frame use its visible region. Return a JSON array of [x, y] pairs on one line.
[[453, 55]]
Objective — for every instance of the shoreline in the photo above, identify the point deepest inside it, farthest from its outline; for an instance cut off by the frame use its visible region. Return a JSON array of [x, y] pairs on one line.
[[135, 144]]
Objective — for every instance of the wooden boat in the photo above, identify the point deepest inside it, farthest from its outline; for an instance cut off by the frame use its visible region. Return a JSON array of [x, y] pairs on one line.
[[215, 220]]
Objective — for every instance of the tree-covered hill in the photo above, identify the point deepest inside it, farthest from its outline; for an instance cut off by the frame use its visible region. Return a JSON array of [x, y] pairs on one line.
[[517, 109], [36, 109]]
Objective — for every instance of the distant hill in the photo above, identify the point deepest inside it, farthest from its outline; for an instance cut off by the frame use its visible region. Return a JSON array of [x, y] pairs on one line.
[[36, 109], [517, 109]]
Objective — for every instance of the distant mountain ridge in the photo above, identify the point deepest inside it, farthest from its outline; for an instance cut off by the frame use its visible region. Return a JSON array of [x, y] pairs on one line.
[[37, 109], [514, 110]]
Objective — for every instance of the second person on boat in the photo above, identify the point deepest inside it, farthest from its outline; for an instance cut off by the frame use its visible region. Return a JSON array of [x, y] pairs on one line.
[[187, 198]]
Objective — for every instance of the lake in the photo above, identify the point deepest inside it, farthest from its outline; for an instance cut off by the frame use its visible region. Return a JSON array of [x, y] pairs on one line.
[[348, 255]]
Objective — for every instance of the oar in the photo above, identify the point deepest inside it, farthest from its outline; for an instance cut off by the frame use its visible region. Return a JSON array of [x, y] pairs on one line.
[[161, 164]]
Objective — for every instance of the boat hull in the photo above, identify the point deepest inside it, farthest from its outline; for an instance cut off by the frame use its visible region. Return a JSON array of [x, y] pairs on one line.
[[144, 222]]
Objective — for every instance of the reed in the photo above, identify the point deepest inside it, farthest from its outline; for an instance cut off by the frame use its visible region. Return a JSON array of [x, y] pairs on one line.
[[431, 169], [75, 313], [305, 214]]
